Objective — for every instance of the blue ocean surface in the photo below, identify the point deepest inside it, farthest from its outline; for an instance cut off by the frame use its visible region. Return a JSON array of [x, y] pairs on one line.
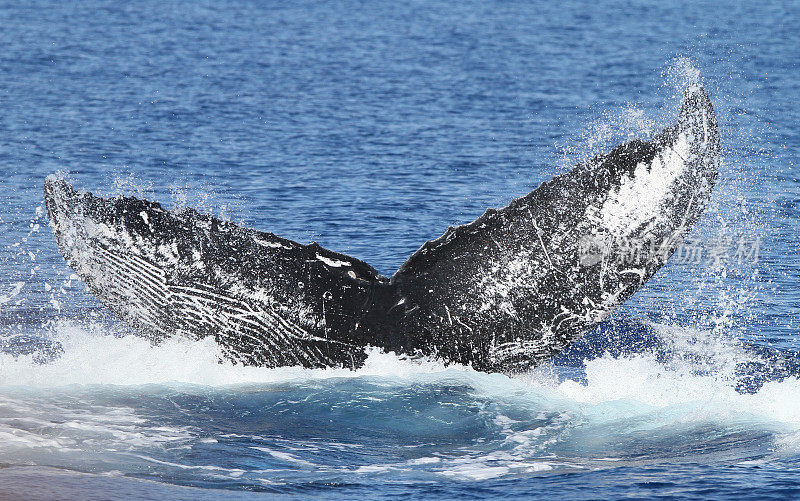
[[370, 127]]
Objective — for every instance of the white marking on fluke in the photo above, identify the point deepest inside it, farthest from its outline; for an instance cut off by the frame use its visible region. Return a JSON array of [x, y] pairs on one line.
[[333, 262], [267, 243]]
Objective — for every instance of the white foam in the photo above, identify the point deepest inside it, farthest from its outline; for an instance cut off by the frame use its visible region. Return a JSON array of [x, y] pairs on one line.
[[644, 385], [284, 456], [634, 389], [92, 357]]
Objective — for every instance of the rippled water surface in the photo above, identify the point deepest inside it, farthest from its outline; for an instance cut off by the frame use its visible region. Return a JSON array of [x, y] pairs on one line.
[[371, 127]]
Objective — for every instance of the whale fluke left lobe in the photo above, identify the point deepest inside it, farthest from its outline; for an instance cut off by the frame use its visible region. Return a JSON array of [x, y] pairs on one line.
[[267, 300]]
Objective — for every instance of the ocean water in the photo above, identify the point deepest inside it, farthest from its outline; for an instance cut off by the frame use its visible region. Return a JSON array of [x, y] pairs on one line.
[[370, 127]]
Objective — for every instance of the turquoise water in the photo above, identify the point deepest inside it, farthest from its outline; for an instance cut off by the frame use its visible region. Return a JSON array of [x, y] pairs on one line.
[[370, 128]]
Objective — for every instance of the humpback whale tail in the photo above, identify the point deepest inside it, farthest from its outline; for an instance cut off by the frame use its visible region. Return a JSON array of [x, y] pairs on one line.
[[502, 293]]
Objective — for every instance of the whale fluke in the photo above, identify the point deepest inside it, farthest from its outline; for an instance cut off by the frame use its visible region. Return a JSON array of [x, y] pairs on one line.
[[502, 293]]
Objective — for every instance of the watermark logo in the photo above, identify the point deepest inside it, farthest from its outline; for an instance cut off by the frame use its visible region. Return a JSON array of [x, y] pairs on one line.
[[591, 251], [719, 251], [716, 252]]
